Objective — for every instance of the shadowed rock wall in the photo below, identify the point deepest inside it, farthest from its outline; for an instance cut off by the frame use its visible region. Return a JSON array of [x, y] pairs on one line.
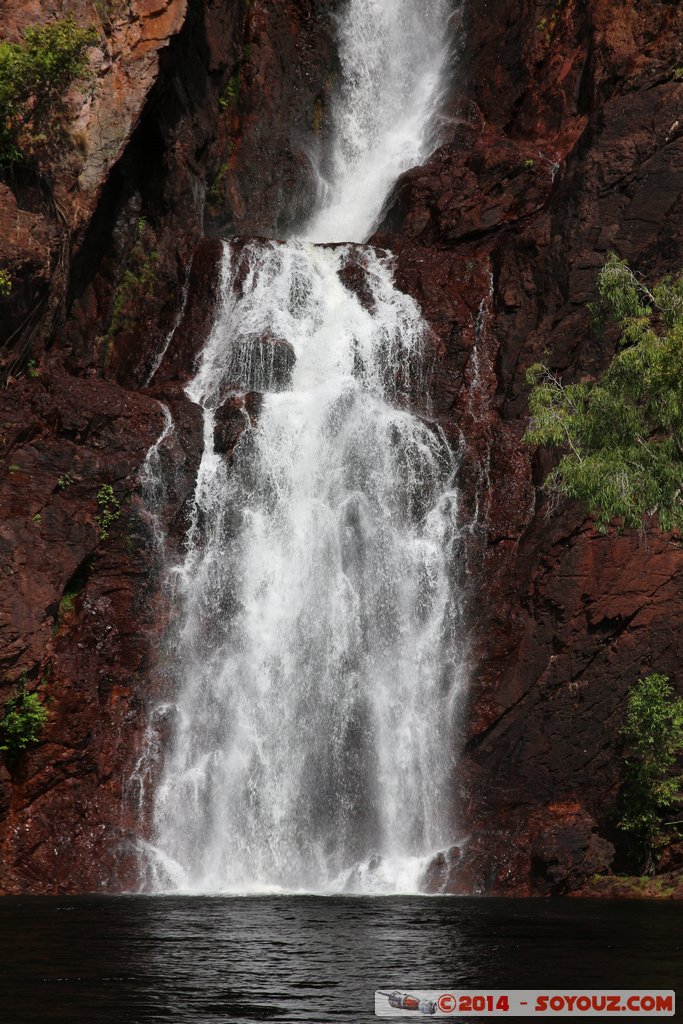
[[191, 124]]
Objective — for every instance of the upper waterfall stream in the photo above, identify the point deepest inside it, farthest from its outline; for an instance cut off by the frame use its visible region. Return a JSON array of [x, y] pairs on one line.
[[316, 651], [393, 55]]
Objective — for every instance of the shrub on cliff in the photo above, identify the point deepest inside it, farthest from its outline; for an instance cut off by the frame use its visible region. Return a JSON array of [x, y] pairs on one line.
[[22, 723], [654, 735], [109, 509], [622, 435], [34, 77]]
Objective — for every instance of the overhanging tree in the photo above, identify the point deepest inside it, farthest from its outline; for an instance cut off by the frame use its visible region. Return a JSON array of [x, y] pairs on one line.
[[35, 75], [621, 439], [622, 435]]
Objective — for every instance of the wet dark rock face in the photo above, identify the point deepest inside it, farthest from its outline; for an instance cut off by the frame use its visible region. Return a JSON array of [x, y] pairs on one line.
[[193, 127], [567, 143], [563, 140]]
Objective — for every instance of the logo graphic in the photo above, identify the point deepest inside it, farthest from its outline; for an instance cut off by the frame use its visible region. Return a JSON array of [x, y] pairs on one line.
[[458, 1004], [409, 1002]]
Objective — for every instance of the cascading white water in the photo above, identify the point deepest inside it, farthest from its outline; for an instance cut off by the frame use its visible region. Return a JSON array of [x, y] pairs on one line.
[[316, 651], [393, 55]]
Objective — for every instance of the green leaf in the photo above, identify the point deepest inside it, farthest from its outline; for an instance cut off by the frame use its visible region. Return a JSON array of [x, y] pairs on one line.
[[24, 718], [35, 75], [653, 731], [621, 437]]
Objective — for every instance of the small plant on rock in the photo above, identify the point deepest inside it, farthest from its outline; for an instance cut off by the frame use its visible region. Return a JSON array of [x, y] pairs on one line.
[[137, 285], [22, 723], [231, 92], [110, 509]]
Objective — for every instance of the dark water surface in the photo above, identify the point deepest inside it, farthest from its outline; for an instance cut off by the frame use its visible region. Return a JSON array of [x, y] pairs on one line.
[[208, 959]]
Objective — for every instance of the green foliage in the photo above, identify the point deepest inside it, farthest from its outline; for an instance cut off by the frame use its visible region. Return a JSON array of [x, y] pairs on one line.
[[231, 92], [64, 481], [137, 284], [529, 164], [214, 191], [23, 721], [36, 518], [110, 509], [654, 733], [34, 77], [5, 284], [66, 604], [622, 435], [230, 96], [32, 368], [547, 25]]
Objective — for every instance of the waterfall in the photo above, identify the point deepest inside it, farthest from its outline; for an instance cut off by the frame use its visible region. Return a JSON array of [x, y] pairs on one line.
[[393, 55], [316, 651]]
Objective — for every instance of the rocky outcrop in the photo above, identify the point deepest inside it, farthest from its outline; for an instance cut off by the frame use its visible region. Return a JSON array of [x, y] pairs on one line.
[[54, 202], [564, 139], [194, 121], [567, 142], [554, 851], [275, 116], [98, 239], [77, 614]]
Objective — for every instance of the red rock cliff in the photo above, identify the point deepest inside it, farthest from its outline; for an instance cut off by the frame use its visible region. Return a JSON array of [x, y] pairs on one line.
[[163, 152], [567, 143], [564, 139]]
